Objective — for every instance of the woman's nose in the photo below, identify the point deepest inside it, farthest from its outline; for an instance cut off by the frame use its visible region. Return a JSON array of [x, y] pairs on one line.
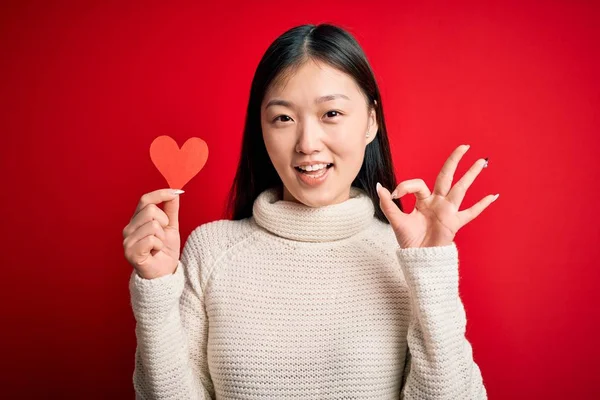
[[309, 140]]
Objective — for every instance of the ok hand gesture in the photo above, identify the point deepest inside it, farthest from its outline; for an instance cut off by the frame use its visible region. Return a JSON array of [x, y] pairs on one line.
[[435, 219]]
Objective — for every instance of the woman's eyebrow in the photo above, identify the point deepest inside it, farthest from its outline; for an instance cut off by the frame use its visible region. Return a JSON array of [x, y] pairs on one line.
[[330, 97], [318, 100]]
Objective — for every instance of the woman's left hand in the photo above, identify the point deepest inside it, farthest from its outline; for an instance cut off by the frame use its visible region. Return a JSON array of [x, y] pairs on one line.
[[435, 219]]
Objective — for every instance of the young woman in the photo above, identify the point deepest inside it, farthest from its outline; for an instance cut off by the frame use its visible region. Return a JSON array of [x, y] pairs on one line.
[[320, 287]]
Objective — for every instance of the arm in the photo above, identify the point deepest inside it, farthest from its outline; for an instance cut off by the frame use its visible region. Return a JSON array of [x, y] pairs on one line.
[[440, 361], [171, 332]]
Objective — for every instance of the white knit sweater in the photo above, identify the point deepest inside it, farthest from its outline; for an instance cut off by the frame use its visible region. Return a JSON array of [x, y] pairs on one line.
[[304, 303]]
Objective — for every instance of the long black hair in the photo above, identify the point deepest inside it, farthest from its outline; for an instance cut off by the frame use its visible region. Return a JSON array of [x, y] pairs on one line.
[[339, 49]]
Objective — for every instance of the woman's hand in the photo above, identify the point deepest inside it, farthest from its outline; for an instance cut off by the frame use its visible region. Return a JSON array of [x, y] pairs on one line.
[[151, 239], [435, 219]]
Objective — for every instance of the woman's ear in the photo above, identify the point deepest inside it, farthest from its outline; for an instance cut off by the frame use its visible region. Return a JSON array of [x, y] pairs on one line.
[[372, 124]]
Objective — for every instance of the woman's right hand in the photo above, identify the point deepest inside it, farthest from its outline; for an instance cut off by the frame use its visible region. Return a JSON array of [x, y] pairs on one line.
[[151, 239]]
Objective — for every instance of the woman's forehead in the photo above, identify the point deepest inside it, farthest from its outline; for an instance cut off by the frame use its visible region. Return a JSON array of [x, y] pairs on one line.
[[314, 80]]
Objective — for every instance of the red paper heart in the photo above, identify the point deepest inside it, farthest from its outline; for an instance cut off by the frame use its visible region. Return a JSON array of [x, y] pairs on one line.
[[178, 166]]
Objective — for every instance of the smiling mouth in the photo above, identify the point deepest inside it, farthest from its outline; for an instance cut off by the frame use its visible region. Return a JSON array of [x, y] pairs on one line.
[[313, 172]]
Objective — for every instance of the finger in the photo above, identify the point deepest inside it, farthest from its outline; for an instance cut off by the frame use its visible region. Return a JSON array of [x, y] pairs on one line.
[[468, 215], [387, 205], [140, 252], [443, 183], [172, 211], [416, 186], [156, 197], [148, 213], [152, 227], [458, 191]]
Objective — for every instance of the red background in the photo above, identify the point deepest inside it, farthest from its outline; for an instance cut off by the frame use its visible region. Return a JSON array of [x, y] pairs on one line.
[[86, 86]]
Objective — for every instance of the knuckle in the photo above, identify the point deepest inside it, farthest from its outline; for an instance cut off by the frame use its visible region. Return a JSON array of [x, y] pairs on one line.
[[154, 243], [146, 214], [137, 262], [128, 255], [145, 200], [152, 208], [128, 243], [139, 250]]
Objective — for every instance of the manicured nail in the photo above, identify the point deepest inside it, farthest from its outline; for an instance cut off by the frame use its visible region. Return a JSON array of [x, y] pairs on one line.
[[378, 186], [495, 197], [486, 162], [395, 194], [177, 191]]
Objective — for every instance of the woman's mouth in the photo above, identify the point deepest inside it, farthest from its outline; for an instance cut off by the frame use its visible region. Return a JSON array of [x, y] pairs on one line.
[[313, 178]]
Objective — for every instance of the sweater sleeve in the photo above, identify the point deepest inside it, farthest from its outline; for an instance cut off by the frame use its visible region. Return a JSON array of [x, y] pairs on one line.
[[171, 331], [439, 363]]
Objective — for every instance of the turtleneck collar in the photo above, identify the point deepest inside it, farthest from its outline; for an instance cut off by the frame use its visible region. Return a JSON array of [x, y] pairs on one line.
[[300, 222]]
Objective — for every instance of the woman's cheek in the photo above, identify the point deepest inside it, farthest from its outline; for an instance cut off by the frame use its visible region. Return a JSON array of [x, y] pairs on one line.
[[347, 141], [276, 152], [347, 129]]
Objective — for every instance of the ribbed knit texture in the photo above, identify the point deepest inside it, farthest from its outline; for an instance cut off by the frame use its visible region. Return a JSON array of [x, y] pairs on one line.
[[304, 303]]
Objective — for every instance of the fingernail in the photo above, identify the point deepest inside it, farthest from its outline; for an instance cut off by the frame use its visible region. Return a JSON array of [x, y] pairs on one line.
[[177, 191], [395, 194], [378, 186], [486, 162], [495, 197]]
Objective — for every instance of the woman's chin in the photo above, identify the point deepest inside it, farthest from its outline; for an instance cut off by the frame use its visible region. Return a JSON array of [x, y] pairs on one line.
[[312, 197]]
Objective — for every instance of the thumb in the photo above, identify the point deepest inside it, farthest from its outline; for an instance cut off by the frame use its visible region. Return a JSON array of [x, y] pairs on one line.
[[389, 208], [171, 208]]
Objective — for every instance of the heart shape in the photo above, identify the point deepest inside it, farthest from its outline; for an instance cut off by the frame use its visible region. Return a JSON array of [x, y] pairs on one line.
[[178, 166]]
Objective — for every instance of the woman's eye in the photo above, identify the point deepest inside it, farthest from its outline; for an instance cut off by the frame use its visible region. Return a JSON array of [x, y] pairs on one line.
[[282, 118], [333, 113]]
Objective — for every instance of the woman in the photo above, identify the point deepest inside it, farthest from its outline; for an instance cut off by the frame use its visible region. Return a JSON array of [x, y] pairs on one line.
[[321, 286]]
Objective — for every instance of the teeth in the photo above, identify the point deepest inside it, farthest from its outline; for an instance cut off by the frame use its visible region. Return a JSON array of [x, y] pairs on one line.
[[314, 167]]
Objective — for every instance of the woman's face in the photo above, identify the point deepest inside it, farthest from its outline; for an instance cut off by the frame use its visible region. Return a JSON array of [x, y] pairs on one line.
[[319, 116]]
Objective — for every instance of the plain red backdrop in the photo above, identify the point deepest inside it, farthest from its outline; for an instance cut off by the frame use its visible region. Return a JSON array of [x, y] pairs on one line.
[[86, 86]]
